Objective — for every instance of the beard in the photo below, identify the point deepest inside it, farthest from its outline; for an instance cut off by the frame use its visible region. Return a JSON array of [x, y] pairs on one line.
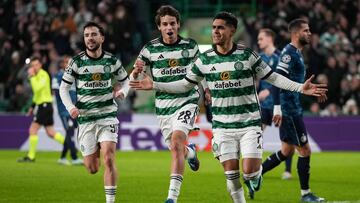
[[96, 47], [303, 41]]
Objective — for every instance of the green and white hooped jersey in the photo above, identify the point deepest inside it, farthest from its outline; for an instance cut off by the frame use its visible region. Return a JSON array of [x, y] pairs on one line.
[[93, 80], [231, 80], [168, 63]]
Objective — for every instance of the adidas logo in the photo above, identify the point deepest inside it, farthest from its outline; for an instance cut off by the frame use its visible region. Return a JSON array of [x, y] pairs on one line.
[[213, 68], [86, 70], [161, 56]]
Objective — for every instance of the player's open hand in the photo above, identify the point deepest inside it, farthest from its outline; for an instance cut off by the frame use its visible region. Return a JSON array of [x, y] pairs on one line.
[[317, 90], [277, 119], [145, 84], [74, 113], [138, 68], [322, 98]]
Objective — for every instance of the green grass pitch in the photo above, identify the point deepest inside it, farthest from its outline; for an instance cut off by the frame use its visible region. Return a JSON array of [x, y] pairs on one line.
[[144, 177]]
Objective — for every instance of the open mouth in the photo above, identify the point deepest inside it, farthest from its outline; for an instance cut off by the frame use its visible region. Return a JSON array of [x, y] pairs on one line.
[[170, 33]]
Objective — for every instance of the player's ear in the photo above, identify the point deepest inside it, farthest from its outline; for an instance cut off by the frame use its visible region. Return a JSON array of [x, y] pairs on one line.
[[233, 30]]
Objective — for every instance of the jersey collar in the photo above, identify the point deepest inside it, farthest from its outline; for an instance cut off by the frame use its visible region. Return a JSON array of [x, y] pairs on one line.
[[95, 59], [227, 54], [174, 44]]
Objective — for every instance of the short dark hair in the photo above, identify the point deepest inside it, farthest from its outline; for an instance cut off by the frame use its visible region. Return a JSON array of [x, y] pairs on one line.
[[296, 24], [229, 18], [166, 10], [268, 32], [35, 58], [93, 24]]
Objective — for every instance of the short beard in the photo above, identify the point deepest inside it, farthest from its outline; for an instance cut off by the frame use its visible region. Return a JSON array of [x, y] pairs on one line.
[[303, 41], [93, 49]]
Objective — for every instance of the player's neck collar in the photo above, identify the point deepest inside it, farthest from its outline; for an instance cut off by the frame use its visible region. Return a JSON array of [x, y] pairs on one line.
[[173, 44], [98, 58], [234, 47]]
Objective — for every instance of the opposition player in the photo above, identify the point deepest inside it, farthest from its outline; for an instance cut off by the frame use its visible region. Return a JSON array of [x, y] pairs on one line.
[[269, 55], [169, 57], [41, 109], [293, 134], [68, 123], [94, 72], [230, 72]]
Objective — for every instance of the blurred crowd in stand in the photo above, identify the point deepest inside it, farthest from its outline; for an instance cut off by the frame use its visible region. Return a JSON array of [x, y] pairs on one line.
[[51, 29], [334, 53]]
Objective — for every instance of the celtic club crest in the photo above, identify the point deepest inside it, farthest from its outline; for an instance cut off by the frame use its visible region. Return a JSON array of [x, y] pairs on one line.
[[107, 69], [185, 53], [238, 65]]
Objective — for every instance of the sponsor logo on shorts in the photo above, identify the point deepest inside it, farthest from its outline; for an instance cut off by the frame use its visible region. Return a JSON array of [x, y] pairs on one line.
[[215, 147]]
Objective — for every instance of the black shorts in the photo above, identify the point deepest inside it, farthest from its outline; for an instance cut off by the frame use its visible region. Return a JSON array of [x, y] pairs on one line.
[[43, 114], [266, 116], [293, 131]]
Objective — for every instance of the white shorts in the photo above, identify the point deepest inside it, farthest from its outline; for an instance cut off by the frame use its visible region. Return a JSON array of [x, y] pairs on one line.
[[91, 134], [249, 143], [183, 120]]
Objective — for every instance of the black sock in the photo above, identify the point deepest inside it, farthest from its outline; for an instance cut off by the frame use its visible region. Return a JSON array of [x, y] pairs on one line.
[[288, 164], [272, 161], [303, 167]]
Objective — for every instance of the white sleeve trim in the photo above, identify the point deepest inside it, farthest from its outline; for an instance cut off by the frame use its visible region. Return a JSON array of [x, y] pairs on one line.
[[284, 65], [283, 69]]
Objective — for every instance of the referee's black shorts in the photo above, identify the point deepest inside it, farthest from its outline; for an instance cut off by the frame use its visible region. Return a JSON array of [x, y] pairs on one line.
[[43, 114]]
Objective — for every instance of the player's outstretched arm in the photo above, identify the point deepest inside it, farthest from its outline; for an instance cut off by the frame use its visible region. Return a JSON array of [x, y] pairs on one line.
[[308, 88], [147, 83]]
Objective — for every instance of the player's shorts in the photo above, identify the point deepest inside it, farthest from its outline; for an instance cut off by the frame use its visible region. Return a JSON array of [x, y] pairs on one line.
[[249, 143], [293, 131], [266, 116], [93, 133], [43, 114], [183, 120]]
